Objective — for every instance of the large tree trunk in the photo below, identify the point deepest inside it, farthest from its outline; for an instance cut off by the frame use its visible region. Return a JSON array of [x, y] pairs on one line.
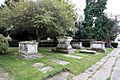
[[109, 41], [39, 37], [37, 34], [109, 44]]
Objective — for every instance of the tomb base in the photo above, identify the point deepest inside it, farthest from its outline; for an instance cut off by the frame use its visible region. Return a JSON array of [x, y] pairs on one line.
[[98, 46], [29, 56], [99, 50], [64, 51]]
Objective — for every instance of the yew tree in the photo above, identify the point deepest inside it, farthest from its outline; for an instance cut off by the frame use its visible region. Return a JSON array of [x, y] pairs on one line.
[[103, 25]]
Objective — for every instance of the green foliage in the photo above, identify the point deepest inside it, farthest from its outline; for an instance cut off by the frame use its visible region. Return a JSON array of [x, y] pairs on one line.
[[79, 30], [103, 25], [103, 28], [51, 18], [56, 18], [3, 45]]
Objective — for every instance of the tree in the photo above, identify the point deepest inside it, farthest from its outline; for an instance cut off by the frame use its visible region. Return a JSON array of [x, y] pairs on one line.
[[41, 18], [10, 3], [94, 8], [58, 15], [96, 24], [45, 18], [116, 29], [5, 16], [79, 30], [103, 29]]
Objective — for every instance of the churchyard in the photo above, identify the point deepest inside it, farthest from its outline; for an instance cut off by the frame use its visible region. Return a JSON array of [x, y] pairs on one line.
[[50, 40], [49, 64]]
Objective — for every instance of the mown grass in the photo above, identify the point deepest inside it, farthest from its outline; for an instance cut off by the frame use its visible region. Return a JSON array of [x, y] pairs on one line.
[[23, 70]]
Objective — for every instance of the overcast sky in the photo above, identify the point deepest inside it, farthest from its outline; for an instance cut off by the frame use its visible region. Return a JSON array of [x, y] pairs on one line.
[[113, 6]]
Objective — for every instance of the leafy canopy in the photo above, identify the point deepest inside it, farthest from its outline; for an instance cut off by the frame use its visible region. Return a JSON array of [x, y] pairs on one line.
[[49, 17]]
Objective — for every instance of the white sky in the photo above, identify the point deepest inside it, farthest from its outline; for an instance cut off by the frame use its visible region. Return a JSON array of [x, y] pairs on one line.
[[113, 6]]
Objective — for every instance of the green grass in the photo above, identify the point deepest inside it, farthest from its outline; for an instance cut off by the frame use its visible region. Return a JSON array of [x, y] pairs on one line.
[[22, 69]]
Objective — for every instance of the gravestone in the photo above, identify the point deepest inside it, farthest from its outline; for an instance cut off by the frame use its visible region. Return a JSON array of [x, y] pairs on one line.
[[72, 56], [42, 67], [88, 51], [61, 62], [64, 45], [98, 46], [77, 45], [28, 49]]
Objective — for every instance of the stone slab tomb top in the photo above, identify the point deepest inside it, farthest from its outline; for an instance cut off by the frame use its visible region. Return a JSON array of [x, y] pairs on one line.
[[61, 62], [97, 42], [42, 67], [88, 51], [28, 42]]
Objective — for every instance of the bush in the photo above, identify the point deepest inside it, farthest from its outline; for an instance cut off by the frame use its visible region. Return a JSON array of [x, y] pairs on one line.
[[13, 43], [3, 44], [114, 45]]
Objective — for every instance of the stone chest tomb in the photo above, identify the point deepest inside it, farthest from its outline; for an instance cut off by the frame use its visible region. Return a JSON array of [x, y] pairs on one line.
[[97, 45], [28, 49], [64, 45]]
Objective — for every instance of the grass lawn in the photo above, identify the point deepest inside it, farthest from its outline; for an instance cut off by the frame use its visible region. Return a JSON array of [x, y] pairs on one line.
[[23, 70]]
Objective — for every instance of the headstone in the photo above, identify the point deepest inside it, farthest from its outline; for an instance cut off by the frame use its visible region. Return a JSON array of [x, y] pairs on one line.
[[64, 45], [38, 65], [61, 62], [77, 45], [28, 49], [41, 67], [72, 56], [98, 46], [46, 69]]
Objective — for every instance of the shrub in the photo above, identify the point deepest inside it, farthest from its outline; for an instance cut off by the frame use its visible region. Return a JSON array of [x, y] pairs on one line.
[[13, 43], [3, 44], [114, 45]]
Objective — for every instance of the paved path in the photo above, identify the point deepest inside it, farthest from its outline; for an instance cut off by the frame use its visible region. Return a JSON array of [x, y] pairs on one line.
[[108, 68], [5, 76]]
